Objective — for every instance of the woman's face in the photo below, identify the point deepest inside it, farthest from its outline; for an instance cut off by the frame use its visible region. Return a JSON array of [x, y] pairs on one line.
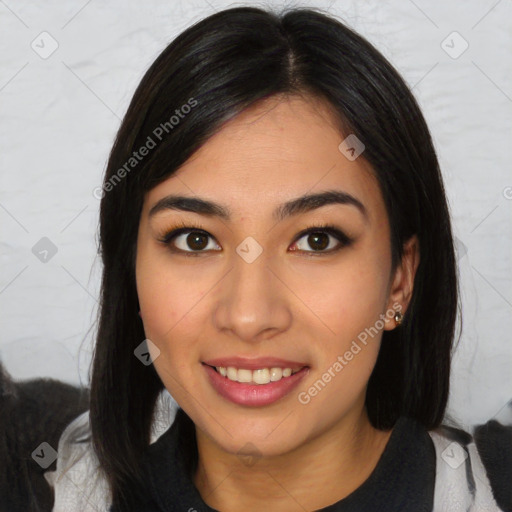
[[250, 293]]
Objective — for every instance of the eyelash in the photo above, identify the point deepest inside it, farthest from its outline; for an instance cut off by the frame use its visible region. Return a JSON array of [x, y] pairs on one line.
[[180, 228]]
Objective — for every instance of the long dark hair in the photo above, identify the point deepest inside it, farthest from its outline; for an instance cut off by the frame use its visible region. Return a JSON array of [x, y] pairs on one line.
[[218, 67]]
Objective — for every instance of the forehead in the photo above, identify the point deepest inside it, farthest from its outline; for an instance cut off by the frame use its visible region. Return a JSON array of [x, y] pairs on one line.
[[281, 148]]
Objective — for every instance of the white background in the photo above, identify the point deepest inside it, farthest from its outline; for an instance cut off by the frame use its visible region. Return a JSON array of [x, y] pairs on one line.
[[59, 116]]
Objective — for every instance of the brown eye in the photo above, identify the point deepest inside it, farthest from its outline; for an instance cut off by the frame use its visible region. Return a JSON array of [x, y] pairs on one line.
[[189, 241], [196, 241], [319, 239]]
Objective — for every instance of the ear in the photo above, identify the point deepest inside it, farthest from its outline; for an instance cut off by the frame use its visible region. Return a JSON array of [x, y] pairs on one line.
[[402, 283]]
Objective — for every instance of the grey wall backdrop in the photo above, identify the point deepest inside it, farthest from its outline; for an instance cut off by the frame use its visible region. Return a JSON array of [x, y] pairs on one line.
[[67, 73]]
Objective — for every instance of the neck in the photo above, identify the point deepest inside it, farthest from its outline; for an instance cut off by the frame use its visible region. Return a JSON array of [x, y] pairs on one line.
[[316, 474]]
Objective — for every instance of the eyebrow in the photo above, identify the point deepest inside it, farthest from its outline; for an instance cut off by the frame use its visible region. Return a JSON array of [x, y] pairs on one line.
[[295, 206]]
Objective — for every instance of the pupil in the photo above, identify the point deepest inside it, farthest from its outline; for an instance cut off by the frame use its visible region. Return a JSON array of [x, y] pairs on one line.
[[313, 240], [192, 240]]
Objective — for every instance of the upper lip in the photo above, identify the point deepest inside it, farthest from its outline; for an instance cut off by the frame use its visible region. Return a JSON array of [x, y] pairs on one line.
[[254, 364]]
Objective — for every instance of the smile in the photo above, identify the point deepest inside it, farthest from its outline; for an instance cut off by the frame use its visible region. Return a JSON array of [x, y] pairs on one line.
[[259, 376], [254, 387]]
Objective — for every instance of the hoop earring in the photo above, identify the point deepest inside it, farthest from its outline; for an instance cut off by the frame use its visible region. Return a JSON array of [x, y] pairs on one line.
[[398, 318]]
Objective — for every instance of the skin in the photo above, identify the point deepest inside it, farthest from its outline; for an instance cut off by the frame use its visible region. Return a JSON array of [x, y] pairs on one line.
[[284, 304]]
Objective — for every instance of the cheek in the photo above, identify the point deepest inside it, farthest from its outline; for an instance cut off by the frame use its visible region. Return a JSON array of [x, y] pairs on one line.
[[349, 304], [168, 317], [173, 315], [345, 298], [163, 293], [163, 300]]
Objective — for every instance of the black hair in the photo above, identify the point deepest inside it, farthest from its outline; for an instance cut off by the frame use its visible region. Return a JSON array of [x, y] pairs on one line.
[[219, 67]]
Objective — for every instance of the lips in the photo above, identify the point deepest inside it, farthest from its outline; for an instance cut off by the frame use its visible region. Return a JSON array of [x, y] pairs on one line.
[[252, 394]]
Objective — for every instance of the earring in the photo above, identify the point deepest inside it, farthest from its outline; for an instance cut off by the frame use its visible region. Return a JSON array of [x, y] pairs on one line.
[[398, 318]]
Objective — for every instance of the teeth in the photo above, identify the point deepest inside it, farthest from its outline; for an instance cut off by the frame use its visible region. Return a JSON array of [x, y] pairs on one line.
[[260, 376], [275, 374], [244, 375]]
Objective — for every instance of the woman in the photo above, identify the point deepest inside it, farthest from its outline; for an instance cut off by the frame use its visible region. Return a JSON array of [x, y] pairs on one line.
[[278, 257]]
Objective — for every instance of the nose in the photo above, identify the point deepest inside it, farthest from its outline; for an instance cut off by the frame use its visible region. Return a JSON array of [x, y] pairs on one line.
[[253, 304]]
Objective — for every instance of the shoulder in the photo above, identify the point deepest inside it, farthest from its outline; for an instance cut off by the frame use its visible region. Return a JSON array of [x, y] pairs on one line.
[[78, 482], [465, 479]]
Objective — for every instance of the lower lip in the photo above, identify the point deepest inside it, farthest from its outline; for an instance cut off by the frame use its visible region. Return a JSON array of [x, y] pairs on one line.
[[254, 395]]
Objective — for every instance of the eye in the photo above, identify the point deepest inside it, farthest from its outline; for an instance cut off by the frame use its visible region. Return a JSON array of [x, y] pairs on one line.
[[190, 240], [317, 237], [196, 240]]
